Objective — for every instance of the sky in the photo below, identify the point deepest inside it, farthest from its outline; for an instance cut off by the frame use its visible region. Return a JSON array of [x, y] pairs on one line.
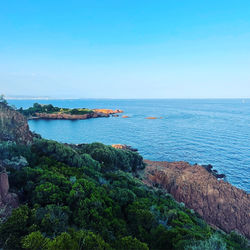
[[125, 49]]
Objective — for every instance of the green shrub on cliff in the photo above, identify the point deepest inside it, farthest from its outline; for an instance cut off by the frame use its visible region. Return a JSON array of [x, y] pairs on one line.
[[80, 111], [2, 99], [49, 109], [77, 198], [113, 159], [62, 153], [39, 108]]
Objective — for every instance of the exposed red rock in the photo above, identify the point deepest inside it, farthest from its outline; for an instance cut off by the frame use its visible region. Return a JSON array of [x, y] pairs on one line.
[[8, 201], [153, 118], [123, 146], [13, 126], [125, 116], [108, 111], [217, 201]]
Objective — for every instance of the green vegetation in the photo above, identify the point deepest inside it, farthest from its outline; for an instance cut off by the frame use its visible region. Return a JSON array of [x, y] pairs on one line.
[[86, 197], [2, 99], [50, 109]]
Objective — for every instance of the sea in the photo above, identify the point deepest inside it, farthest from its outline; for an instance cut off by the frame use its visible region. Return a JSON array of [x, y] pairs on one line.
[[203, 131]]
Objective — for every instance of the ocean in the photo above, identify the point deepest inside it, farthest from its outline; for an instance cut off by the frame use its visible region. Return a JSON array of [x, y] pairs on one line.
[[203, 131]]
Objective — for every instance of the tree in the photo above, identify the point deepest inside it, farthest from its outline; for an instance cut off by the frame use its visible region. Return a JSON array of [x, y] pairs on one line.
[[35, 241], [130, 243], [2, 99]]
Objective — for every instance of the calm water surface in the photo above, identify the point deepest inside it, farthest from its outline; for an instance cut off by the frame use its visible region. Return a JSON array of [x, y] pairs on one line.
[[196, 131]]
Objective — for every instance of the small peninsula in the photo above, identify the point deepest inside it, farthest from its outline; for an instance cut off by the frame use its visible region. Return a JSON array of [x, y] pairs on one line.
[[42, 111]]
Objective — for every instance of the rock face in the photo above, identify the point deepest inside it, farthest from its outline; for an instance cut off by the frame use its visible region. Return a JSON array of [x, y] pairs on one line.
[[108, 111], [217, 201], [13, 126], [124, 147], [8, 201]]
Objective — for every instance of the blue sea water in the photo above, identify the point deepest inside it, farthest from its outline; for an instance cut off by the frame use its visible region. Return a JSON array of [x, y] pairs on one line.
[[215, 131]]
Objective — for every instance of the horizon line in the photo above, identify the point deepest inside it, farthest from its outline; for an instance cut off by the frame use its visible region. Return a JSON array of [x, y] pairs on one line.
[[110, 98]]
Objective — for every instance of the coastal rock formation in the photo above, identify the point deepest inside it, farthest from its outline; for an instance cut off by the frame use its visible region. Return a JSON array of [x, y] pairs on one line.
[[217, 201], [8, 201], [13, 126], [124, 147], [125, 116], [108, 111], [64, 116], [153, 118]]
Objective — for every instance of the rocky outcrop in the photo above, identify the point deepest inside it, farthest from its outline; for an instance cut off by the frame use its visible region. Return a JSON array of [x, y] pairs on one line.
[[13, 126], [124, 147], [217, 201], [153, 118], [8, 201], [108, 111]]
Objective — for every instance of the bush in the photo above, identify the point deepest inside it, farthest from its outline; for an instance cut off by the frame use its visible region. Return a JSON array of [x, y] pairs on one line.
[[113, 159]]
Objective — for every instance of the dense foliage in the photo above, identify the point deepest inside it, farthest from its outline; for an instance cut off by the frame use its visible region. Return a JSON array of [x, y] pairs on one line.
[[49, 109], [86, 197]]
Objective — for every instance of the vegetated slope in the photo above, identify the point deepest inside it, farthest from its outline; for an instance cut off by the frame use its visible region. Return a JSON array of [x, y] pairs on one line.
[[217, 201], [79, 198]]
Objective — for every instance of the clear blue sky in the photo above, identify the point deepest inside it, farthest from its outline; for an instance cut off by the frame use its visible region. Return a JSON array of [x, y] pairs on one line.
[[125, 49]]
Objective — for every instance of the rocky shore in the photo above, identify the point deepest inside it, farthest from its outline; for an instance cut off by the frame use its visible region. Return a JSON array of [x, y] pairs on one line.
[[218, 202]]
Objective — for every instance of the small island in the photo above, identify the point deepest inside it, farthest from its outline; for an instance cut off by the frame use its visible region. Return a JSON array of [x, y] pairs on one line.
[[42, 111]]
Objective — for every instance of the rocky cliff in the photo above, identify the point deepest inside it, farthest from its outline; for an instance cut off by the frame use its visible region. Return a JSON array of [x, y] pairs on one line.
[[217, 201], [8, 201], [13, 126]]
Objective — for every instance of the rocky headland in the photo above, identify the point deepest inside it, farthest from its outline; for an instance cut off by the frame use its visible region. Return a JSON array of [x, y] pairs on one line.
[[50, 112], [218, 202], [64, 116]]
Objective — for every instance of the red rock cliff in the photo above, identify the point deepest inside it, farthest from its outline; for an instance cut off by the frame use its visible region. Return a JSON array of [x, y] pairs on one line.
[[13, 126], [217, 201], [8, 201]]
